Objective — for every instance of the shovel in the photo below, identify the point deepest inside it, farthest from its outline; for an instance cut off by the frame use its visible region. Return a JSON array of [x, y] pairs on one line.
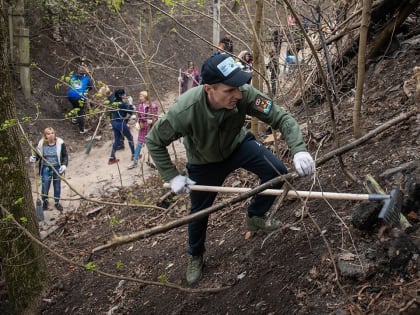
[[390, 211], [38, 205]]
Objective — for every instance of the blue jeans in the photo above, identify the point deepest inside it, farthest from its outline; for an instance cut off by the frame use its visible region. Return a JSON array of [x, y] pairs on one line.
[[251, 156], [47, 174], [137, 152], [121, 130]]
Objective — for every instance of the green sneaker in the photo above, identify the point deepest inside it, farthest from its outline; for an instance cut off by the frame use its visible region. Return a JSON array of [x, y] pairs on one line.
[[194, 269], [262, 224]]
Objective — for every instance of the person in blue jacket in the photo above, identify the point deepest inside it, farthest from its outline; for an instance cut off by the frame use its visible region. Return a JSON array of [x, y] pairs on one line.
[[80, 84], [120, 110]]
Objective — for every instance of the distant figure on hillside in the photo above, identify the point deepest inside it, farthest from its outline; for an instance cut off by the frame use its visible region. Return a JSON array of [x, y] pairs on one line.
[[220, 49], [111, 100], [228, 43], [189, 78], [273, 67], [79, 86], [245, 60], [147, 114], [53, 159], [291, 62], [276, 41], [119, 118]]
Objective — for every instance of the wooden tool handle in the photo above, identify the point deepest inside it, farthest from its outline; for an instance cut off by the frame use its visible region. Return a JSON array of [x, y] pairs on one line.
[[290, 193]]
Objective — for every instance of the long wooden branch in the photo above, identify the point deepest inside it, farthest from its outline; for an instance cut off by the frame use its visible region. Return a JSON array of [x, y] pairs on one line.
[[124, 239], [365, 138]]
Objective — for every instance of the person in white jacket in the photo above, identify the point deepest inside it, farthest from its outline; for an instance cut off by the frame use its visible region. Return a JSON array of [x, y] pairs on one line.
[[53, 159]]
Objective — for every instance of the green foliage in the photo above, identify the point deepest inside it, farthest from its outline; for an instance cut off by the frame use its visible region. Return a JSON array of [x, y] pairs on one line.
[[7, 218], [72, 113], [67, 12], [66, 78], [19, 201], [26, 119], [7, 124], [91, 266], [162, 278], [119, 264], [24, 219], [115, 4], [113, 221], [172, 3], [3, 159], [169, 3]]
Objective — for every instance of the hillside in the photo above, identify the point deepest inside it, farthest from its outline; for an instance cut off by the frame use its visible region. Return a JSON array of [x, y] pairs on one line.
[[319, 263]]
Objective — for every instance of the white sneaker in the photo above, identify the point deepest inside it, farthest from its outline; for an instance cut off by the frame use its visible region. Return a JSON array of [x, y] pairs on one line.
[[84, 131], [132, 165], [43, 226]]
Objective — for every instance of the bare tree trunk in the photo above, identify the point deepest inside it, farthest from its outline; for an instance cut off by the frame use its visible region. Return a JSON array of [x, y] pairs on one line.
[[364, 27], [257, 81], [22, 261]]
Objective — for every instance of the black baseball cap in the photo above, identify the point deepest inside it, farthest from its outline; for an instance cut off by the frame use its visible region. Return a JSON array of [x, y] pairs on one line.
[[222, 68]]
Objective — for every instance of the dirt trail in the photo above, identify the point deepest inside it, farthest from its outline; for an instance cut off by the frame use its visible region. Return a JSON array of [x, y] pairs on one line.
[[90, 175]]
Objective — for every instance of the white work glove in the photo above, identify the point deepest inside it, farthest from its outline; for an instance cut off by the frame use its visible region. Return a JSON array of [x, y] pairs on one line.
[[304, 163], [32, 159], [130, 100], [150, 121], [180, 79], [179, 184], [62, 169]]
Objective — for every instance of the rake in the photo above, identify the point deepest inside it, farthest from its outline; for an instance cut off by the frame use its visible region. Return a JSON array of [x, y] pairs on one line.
[[390, 211], [38, 205], [90, 144]]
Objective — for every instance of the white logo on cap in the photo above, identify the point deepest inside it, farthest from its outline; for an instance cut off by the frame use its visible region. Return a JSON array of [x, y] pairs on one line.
[[227, 66]]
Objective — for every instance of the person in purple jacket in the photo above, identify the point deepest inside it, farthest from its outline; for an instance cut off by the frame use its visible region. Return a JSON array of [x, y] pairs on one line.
[[147, 114], [189, 78]]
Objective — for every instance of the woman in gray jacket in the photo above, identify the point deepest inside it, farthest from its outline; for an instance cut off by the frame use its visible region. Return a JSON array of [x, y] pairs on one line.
[[53, 159]]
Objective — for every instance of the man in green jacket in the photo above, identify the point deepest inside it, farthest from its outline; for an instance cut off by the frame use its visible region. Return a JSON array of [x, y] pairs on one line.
[[211, 118]]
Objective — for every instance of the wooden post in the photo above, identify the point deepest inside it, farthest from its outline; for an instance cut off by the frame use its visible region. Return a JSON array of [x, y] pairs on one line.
[[216, 22], [12, 48], [24, 61]]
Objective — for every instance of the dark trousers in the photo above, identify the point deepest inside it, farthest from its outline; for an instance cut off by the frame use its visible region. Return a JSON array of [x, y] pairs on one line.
[[121, 130], [273, 78], [80, 105], [251, 156]]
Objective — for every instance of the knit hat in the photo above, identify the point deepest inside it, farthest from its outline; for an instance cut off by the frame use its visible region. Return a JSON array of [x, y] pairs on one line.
[[119, 93], [222, 68]]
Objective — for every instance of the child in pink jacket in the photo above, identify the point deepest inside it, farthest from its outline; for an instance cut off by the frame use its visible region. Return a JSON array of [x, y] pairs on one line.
[[146, 116]]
